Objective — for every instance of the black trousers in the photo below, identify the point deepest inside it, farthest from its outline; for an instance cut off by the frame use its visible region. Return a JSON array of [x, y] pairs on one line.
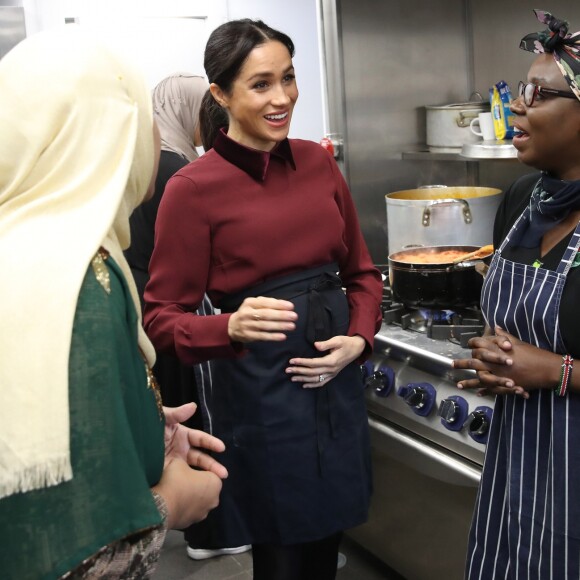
[[309, 561]]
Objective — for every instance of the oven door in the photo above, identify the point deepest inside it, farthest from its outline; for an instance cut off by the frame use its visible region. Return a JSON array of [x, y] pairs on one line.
[[421, 507]]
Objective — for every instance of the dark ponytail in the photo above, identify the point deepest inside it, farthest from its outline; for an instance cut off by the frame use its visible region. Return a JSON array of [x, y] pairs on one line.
[[226, 51], [212, 118]]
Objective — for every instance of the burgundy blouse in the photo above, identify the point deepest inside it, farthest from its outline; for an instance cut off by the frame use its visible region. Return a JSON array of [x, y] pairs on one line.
[[237, 217]]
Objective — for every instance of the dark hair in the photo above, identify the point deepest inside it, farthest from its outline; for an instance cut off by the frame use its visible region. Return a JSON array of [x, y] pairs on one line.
[[226, 51]]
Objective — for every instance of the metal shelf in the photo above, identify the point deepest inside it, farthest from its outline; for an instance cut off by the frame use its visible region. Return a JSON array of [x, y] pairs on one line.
[[426, 155]]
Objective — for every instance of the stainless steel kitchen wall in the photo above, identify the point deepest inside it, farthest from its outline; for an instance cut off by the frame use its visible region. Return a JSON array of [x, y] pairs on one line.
[[397, 57], [12, 27], [497, 28]]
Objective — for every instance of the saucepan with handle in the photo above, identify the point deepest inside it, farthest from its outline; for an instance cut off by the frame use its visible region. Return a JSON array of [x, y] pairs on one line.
[[438, 277]]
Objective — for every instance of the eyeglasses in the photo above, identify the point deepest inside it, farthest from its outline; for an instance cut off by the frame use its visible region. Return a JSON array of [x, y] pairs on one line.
[[530, 91]]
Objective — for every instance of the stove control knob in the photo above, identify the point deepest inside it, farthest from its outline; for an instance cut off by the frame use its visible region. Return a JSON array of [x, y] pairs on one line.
[[453, 412], [415, 397], [419, 396], [366, 370], [382, 381], [448, 410], [478, 423]]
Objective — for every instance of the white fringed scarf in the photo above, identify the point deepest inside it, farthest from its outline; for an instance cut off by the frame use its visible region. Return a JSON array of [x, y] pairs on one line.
[[76, 157]]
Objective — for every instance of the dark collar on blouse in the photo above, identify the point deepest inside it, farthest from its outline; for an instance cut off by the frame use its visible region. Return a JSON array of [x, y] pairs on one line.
[[252, 161]]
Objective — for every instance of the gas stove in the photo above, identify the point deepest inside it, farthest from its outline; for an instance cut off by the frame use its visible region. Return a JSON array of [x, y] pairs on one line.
[[427, 440], [451, 325], [411, 382]]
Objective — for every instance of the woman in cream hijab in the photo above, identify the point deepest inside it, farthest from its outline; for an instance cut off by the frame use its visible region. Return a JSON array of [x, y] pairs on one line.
[[81, 426]]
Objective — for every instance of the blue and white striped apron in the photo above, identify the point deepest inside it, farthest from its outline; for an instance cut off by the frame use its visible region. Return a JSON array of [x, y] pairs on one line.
[[527, 517]]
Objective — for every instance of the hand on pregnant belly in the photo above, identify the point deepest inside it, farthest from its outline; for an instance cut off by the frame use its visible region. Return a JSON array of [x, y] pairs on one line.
[[262, 318], [317, 372]]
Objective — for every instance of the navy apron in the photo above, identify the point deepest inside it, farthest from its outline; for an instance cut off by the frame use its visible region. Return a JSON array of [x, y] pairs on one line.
[[298, 458], [527, 516]]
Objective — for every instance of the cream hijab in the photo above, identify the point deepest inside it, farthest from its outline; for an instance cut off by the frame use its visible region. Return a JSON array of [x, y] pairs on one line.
[[176, 103], [76, 157]]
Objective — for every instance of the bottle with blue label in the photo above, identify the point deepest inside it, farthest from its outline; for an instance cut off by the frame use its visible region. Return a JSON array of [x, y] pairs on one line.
[[500, 98]]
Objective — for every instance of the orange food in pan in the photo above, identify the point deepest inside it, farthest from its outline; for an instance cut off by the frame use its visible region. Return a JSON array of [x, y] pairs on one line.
[[442, 257]]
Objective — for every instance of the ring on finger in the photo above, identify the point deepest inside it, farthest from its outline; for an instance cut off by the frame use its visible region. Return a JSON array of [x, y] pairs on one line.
[[321, 378]]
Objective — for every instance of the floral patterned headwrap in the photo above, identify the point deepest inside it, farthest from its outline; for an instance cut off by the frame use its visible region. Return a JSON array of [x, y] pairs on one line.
[[564, 47]]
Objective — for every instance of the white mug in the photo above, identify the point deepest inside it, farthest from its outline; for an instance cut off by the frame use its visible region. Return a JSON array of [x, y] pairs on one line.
[[483, 122]]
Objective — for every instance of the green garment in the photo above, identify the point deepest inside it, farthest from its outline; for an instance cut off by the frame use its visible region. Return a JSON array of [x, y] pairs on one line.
[[116, 440]]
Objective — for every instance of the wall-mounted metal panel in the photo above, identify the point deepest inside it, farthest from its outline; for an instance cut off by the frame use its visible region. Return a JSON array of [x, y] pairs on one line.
[[398, 57], [330, 31], [498, 28]]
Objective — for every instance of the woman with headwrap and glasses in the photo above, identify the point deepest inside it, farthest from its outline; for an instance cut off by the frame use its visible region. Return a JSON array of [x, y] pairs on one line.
[[86, 490], [527, 517]]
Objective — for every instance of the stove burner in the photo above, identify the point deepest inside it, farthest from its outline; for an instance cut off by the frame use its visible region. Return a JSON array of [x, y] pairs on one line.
[[456, 326], [436, 315]]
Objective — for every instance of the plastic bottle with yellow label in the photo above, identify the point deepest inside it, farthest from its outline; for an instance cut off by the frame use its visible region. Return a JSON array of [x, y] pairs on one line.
[[496, 107], [500, 98]]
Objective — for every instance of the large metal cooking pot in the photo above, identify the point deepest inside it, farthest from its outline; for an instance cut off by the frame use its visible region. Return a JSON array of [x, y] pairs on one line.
[[447, 126], [441, 216], [442, 285]]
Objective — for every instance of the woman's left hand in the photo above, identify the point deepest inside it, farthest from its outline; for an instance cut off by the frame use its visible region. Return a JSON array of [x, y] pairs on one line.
[[519, 368], [186, 443], [317, 372]]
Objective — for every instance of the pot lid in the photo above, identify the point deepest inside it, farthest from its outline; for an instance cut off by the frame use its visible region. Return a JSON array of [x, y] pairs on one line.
[[452, 106]]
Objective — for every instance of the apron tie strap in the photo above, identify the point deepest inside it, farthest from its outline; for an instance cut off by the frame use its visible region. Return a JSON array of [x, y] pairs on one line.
[[320, 326]]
